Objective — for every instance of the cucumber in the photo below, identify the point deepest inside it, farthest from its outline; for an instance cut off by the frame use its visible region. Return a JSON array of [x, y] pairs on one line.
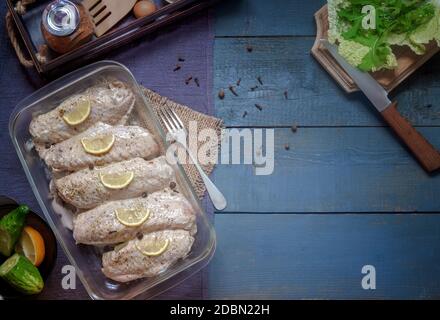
[[22, 275], [11, 226]]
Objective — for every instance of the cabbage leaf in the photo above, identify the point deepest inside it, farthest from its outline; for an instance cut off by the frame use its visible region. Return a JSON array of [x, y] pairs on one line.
[[414, 23]]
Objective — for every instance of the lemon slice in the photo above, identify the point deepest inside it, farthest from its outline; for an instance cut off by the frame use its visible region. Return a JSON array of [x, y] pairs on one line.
[[98, 145], [31, 245], [79, 113], [116, 180], [132, 217], [152, 247]]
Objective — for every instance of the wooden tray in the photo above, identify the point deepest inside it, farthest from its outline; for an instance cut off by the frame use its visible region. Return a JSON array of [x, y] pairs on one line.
[[28, 31], [407, 60]]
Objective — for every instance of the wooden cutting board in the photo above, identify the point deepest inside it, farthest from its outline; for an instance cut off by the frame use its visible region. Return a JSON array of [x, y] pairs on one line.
[[407, 60]]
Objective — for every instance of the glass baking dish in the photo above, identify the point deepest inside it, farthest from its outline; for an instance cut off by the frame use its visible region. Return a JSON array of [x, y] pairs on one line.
[[87, 259]]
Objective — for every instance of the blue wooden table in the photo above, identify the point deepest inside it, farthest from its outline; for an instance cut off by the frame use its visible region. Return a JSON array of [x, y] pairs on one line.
[[343, 195]]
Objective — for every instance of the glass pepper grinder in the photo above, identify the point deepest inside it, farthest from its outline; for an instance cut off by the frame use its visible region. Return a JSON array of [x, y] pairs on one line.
[[61, 18], [65, 25]]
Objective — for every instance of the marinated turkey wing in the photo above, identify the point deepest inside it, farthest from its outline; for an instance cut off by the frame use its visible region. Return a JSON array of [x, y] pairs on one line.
[[110, 103], [130, 142], [128, 263], [168, 210], [84, 189]]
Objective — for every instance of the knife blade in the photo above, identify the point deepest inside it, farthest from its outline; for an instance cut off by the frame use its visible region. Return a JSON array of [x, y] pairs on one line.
[[425, 153], [366, 83]]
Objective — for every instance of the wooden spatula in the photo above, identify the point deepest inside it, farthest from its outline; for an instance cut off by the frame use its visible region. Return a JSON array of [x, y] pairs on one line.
[[106, 13]]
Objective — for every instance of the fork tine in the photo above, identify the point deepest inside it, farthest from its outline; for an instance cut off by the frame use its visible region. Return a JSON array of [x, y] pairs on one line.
[[170, 117], [177, 118], [165, 121]]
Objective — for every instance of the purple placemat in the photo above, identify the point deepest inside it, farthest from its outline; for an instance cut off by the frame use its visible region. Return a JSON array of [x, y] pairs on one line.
[[152, 61]]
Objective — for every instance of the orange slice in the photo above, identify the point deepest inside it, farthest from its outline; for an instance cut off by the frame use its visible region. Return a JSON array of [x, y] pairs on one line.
[[31, 245]]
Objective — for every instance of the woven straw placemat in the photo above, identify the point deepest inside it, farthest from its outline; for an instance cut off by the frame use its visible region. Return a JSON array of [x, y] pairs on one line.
[[204, 121]]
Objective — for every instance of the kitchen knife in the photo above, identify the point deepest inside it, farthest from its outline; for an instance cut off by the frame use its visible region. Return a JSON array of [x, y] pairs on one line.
[[425, 153]]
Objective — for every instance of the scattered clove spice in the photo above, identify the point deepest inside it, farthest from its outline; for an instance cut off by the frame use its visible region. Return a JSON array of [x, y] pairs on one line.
[[180, 59], [188, 80], [259, 80], [258, 107], [294, 128], [221, 94], [238, 81], [286, 95], [232, 89], [244, 114], [177, 68], [286, 146], [249, 48], [254, 88], [196, 80], [144, 195]]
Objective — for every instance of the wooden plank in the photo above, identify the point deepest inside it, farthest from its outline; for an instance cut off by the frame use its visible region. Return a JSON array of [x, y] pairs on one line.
[[316, 256], [334, 170], [314, 98], [265, 18]]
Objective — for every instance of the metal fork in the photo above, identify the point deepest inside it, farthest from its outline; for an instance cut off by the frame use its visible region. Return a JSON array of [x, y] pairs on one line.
[[177, 130]]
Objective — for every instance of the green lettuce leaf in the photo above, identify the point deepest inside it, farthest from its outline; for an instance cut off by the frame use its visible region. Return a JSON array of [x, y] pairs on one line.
[[398, 22]]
